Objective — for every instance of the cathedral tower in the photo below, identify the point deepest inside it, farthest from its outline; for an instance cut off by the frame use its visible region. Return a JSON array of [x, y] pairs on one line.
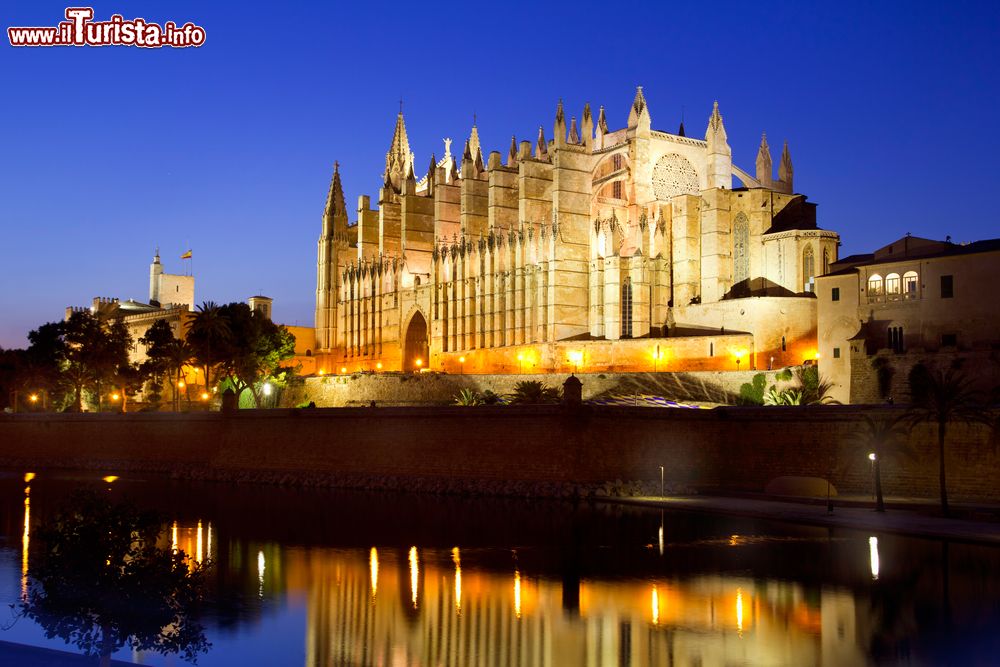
[[333, 244]]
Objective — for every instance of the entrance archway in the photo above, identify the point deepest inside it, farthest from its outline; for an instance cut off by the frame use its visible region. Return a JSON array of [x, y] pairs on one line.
[[415, 343]]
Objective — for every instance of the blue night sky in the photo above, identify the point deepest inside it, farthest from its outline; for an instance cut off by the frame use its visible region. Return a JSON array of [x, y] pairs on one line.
[[890, 110]]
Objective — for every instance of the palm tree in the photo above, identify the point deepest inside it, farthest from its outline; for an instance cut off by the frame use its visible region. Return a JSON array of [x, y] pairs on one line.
[[940, 397], [177, 357], [208, 334], [529, 392], [880, 438]]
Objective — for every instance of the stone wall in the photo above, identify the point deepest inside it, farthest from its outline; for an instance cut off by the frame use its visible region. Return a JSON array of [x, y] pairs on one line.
[[529, 450], [401, 389]]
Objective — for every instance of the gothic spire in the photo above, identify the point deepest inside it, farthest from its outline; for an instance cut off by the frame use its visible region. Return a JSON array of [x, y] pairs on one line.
[[680, 130], [785, 170], [474, 147], [398, 156], [602, 123], [639, 111], [574, 134], [335, 197], [764, 167], [512, 154], [716, 131], [541, 147]]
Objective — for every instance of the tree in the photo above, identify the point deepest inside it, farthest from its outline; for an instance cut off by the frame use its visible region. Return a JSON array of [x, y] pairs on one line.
[[95, 354], [209, 335], [883, 437], [45, 362], [98, 580], [254, 351], [941, 397], [166, 357]]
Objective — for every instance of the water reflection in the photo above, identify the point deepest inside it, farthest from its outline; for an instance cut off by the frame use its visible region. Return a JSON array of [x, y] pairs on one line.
[[682, 619], [873, 555], [585, 585]]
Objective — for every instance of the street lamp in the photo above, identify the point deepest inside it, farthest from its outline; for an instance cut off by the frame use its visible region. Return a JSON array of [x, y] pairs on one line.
[[420, 363], [267, 388], [33, 398], [520, 364], [872, 458], [378, 366], [656, 358], [461, 361]]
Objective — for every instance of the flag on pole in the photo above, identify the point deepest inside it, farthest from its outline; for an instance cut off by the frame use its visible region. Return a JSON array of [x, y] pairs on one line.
[[186, 255]]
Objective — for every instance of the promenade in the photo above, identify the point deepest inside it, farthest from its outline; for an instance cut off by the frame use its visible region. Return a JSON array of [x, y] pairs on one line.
[[904, 516]]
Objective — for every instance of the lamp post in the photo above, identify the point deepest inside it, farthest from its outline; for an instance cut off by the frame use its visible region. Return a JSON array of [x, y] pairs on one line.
[[461, 365], [520, 364], [656, 361], [872, 457]]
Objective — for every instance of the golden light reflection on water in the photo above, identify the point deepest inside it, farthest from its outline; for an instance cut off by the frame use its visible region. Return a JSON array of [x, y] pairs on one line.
[[373, 569], [109, 478], [685, 617], [414, 575], [456, 558], [28, 476], [26, 536], [517, 593], [739, 611], [656, 606]]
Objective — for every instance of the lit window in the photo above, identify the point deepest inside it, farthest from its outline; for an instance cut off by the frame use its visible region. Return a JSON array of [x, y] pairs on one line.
[[875, 285], [808, 270], [627, 308], [892, 284], [910, 285]]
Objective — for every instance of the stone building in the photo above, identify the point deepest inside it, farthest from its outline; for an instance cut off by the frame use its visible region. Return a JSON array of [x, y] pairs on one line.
[[914, 300], [598, 249]]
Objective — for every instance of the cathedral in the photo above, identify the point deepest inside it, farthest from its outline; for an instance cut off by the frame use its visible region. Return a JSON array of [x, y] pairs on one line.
[[621, 250]]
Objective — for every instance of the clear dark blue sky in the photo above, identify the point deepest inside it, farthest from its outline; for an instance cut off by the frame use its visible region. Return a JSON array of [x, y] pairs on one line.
[[890, 109]]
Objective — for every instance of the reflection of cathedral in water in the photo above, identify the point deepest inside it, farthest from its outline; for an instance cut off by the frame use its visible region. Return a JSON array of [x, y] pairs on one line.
[[430, 608]]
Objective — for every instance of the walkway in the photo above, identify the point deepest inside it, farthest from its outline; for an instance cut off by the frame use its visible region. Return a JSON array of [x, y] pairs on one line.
[[854, 517]]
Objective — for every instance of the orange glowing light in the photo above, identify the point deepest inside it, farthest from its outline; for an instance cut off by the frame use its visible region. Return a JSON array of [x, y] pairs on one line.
[[180, 384], [461, 360], [28, 476], [322, 371], [115, 397], [419, 362], [108, 479], [343, 369], [378, 366], [204, 395], [33, 398]]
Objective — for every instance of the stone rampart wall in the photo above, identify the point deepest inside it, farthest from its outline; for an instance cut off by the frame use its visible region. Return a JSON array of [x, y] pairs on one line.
[[540, 450]]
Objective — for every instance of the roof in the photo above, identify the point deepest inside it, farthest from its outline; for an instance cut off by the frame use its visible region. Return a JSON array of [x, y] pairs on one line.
[[911, 247]]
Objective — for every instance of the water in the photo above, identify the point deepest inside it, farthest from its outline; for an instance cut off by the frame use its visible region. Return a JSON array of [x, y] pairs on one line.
[[321, 578]]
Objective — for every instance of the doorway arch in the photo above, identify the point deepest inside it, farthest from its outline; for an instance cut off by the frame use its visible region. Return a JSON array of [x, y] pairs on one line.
[[415, 343]]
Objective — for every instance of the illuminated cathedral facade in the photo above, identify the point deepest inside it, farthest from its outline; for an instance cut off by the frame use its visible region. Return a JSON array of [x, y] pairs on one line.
[[626, 250]]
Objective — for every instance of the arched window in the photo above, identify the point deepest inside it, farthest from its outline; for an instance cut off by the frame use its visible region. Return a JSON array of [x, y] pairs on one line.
[[892, 285], [808, 270], [627, 308], [741, 249], [874, 285], [826, 261], [910, 285]]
